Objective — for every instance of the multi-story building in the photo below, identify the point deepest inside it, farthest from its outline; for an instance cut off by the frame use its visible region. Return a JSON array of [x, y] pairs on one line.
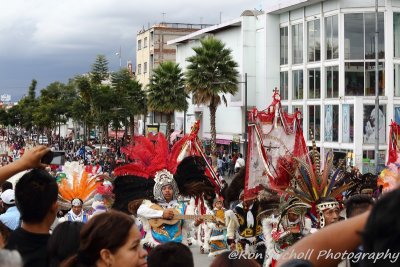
[[327, 70], [152, 49], [321, 54], [245, 37]]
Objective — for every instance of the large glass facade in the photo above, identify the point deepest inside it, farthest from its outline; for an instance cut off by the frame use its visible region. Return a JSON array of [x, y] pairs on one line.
[[284, 45], [332, 82], [396, 34], [284, 86], [359, 31], [297, 84], [314, 40], [331, 37], [297, 43], [314, 83], [331, 122], [314, 122]]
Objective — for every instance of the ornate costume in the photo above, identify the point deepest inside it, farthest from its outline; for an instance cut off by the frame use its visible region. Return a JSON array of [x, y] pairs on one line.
[[218, 241], [77, 188], [139, 185], [283, 231]]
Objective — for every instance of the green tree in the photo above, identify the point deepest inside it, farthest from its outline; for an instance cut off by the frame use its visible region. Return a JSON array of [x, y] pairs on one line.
[[55, 106], [211, 73], [99, 71], [131, 97], [166, 91], [29, 104]]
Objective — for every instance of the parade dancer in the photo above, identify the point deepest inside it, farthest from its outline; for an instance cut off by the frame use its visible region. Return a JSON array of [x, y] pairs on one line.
[[149, 187], [218, 241], [283, 231]]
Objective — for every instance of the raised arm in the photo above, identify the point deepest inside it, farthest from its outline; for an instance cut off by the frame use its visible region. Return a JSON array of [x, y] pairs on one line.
[[338, 238], [31, 159]]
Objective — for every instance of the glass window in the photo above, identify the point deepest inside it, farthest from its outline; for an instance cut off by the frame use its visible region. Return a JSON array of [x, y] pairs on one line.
[[359, 36], [139, 44], [354, 79], [139, 68], [284, 86], [145, 42], [348, 123], [397, 118], [396, 79], [369, 161], [353, 36], [297, 43], [285, 108], [284, 45], [370, 78], [145, 67], [370, 35], [331, 37], [314, 122], [297, 84], [396, 34], [314, 83], [152, 38], [314, 43], [331, 123], [332, 82], [371, 125]]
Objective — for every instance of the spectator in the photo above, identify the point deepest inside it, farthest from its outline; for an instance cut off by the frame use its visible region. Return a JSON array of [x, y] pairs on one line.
[[109, 239], [170, 254], [31, 159], [224, 260], [4, 235], [36, 198], [10, 258], [64, 242], [381, 233], [239, 163], [6, 185], [11, 217], [357, 204]]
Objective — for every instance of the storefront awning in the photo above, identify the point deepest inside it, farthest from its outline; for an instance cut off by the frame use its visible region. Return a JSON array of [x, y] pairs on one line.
[[223, 141]]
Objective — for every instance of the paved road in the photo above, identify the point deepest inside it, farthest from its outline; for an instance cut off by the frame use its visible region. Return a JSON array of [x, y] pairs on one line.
[[200, 260]]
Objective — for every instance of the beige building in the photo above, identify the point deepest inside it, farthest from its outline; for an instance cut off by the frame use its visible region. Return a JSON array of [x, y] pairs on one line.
[[152, 48]]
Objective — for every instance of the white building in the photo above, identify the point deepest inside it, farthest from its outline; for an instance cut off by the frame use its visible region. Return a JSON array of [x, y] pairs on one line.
[[245, 36], [321, 56]]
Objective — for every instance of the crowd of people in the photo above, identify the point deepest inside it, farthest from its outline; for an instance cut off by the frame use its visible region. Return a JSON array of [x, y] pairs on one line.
[[149, 208]]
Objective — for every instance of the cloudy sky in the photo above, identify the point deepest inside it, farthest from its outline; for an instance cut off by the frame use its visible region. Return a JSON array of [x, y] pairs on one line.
[[51, 40]]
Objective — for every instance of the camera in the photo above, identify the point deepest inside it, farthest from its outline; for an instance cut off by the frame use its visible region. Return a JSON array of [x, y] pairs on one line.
[[54, 158]]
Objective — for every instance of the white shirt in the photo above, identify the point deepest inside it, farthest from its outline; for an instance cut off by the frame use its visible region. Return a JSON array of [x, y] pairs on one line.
[[239, 163]]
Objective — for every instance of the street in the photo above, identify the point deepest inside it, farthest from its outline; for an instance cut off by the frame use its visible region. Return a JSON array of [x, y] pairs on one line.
[[200, 260]]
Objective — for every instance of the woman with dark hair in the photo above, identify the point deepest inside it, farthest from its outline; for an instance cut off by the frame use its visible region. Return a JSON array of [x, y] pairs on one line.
[[226, 260], [64, 242], [109, 239]]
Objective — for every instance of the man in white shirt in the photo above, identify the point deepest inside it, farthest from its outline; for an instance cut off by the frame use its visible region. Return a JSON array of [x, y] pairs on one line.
[[239, 163]]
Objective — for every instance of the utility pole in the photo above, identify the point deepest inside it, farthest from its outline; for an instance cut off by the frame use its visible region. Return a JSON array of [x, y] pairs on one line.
[[376, 91]]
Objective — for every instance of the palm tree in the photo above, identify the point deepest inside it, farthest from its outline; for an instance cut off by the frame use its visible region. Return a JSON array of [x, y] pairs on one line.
[[210, 74], [166, 91]]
